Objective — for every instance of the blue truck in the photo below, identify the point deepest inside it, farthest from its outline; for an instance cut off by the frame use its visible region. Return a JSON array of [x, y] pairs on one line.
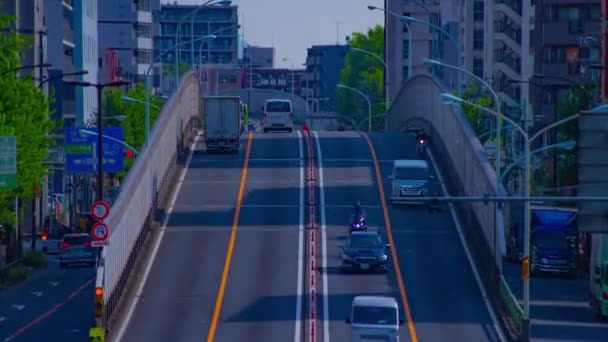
[[554, 240]]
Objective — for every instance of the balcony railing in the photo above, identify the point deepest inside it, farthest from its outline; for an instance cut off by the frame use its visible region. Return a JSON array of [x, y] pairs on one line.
[[515, 5], [506, 56]]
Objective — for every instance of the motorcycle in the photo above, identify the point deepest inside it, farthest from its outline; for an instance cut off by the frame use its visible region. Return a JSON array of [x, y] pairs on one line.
[[421, 141], [357, 223]]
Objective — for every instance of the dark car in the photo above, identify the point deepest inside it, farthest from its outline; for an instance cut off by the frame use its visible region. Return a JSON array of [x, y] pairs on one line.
[[365, 251], [76, 249]]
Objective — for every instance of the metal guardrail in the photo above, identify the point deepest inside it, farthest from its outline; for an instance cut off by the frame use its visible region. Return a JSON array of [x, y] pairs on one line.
[[132, 212], [515, 311]]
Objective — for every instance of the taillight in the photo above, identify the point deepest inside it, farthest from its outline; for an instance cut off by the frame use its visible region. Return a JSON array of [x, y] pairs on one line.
[[87, 243], [64, 245], [604, 296]]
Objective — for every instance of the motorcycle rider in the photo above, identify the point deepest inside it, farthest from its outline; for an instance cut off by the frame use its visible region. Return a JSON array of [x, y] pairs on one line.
[[421, 140], [357, 211]]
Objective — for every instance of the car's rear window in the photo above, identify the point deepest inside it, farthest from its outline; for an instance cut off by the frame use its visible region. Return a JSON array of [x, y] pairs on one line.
[[277, 106], [76, 240]]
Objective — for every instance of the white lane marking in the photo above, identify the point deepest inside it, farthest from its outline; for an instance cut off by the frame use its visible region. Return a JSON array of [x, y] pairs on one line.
[[468, 252], [37, 293], [18, 307], [323, 241], [144, 278], [299, 290], [53, 283]]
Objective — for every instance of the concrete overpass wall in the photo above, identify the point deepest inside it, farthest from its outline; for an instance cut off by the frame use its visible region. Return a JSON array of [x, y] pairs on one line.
[[257, 97], [466, 167]]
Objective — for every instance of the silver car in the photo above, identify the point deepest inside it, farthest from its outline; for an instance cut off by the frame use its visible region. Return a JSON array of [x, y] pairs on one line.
[[76, 249]]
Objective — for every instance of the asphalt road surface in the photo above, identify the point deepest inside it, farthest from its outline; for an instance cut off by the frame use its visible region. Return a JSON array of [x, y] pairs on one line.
[[233, 260], [53, 305], [443, 298]]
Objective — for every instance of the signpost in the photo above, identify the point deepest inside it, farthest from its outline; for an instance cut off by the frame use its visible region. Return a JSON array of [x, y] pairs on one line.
[[100, 210], [8, 162], [81, 150], [100, 231]]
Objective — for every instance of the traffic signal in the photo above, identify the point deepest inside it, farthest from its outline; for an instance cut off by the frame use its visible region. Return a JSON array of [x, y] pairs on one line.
[[45, 235], [98, 302], [129, 154]]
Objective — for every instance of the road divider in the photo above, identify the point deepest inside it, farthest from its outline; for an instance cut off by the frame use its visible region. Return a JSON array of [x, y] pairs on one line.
[[311, 233]]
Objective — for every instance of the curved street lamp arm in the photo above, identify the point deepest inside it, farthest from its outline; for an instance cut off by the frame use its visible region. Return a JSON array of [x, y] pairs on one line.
[[495, 113], [84, 131], [588, 96], [553, 125], [369, 54]]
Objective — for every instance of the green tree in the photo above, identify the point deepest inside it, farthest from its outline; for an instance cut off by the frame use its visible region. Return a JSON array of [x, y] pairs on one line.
[[134, 114], [365, 73], [24, 113], [473, 93]]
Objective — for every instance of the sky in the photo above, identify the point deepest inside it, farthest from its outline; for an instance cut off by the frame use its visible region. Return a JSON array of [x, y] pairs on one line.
[[291, 26]]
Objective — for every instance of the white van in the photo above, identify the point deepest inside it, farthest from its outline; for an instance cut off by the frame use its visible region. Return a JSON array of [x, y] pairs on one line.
[[277, 114], [374, 318]]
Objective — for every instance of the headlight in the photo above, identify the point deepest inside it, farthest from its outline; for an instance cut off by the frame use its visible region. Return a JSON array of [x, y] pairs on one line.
[[383, 257]]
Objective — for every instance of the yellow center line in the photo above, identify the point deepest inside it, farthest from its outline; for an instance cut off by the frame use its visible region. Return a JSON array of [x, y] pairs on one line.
[[389, 233], [235, 225]]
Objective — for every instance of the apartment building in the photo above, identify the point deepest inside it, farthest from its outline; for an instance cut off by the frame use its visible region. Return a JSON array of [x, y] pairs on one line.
[[30, 22], [86, 58], [324, 63], [59, 16], [126, 31], [567, 40], [425, 40], [259, 57], [193, 22]]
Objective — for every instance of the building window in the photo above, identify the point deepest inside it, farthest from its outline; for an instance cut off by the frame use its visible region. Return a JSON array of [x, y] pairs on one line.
[[406, 51], [404, 24], [478, 11], [478, 67], [405, 74], [478, 40]]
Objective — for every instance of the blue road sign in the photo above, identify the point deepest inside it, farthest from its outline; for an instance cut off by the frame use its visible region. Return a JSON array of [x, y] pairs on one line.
[[81, 150]]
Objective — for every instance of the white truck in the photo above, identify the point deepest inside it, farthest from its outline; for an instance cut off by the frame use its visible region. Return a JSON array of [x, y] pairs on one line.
[[222, 123], [598, 271]]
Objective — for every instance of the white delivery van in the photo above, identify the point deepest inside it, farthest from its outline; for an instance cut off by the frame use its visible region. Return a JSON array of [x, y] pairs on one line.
[[374, 318], [410, 179], [277, 114]]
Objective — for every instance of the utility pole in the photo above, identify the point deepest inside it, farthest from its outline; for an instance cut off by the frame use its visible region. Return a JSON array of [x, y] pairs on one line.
[[604, 43]]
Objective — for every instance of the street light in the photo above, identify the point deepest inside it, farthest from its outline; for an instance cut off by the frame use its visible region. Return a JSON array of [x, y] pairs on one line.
[[554, 104], [409, 43], [127, 99], [124, 143], [147, 80], [386, 79], [449, 98], [78, 73], [99, 87], [369, 103], [579, 86], [200, 47], [564, 145], [293, 76], [19, 68]]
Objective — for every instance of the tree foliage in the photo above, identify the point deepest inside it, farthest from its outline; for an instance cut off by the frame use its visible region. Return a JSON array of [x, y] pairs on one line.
[[24, 113], [473, 93], [133, 112], [365, 73]]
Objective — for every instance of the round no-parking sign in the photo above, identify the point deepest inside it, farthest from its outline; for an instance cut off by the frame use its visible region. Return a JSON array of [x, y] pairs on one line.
[[99, 231], [100, 210]]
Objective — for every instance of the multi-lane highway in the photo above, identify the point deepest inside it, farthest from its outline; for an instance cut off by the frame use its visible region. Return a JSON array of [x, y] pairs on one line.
[[237, 262]]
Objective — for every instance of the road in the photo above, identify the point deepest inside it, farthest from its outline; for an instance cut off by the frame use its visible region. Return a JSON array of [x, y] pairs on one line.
[[559, 308], [233, 260], [55, 304]]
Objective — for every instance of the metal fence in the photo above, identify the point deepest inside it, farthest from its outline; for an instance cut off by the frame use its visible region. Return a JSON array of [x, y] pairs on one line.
[[146, 182], [467, 169]]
